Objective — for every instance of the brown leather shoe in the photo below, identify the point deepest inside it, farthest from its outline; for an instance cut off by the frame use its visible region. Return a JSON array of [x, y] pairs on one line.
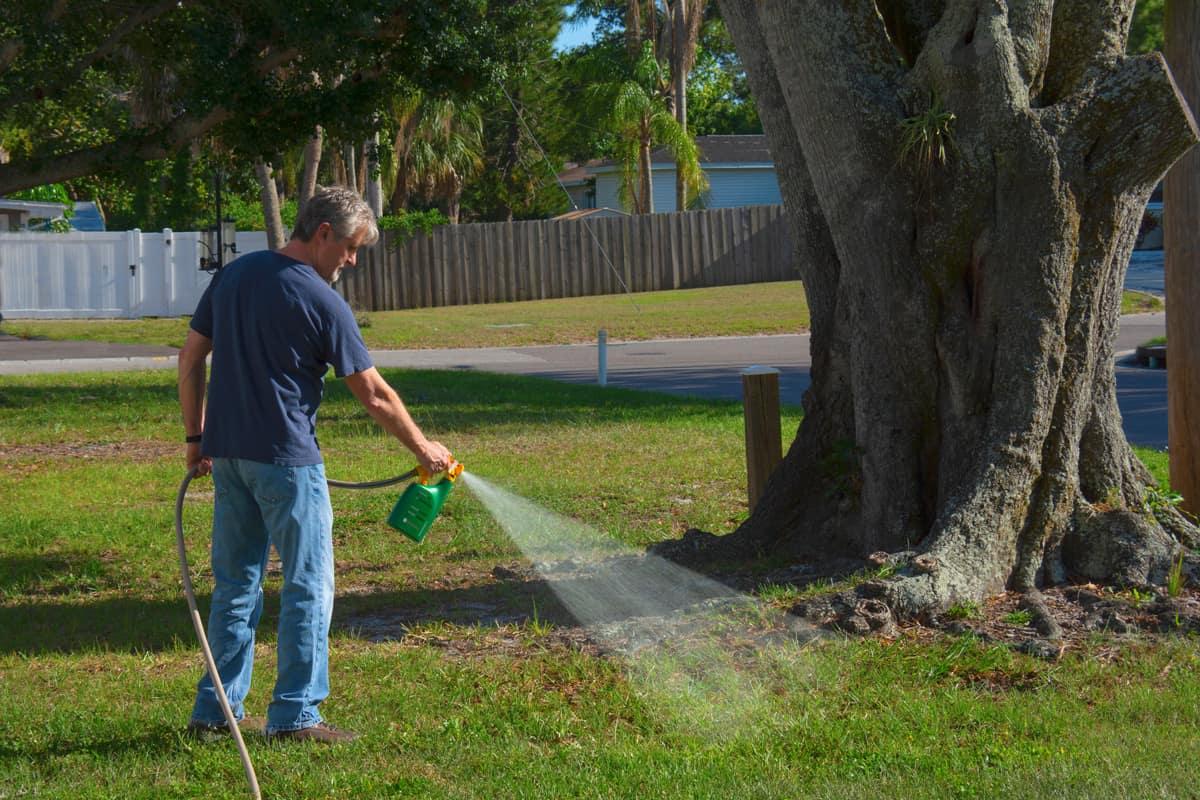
[[322, 732], [208, 730]]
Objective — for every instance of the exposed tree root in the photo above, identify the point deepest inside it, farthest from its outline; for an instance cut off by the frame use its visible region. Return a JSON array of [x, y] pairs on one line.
[[1119, 547], [1043, 621]]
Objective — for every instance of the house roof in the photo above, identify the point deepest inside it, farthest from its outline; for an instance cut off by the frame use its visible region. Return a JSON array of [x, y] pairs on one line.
[[740, 149], [86, 216], [578, 174], [35, 208], [581, 213]]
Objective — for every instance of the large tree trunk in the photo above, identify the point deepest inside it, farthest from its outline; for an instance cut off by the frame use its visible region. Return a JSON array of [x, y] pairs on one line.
[[633, 29], [1181, 209], [401, 145], [350, 165], [374, 188], [688, 14], [645, 193], [451, 204], [509, 161], [963, 405], [312, 164], [270, 205]]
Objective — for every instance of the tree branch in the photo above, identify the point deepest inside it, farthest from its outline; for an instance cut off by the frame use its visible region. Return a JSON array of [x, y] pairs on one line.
[[129, 25], [9, 53], [156, 144], [972, 60], [1085, 35], [272, 60], [1030, 24], [1132, 127]]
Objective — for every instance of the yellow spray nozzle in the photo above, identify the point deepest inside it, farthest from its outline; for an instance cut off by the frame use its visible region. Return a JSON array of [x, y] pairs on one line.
[[452, 472]]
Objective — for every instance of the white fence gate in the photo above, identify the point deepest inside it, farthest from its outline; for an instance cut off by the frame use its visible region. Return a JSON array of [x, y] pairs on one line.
[[120, 274]]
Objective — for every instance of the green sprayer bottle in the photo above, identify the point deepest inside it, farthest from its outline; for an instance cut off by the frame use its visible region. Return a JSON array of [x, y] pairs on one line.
[[420, 503]]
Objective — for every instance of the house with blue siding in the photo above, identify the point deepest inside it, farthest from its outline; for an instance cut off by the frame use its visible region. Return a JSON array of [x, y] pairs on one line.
[[23, 215], [739, 169]]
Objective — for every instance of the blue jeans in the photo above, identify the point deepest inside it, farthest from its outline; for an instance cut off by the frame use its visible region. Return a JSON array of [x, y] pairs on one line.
[[258, 505]]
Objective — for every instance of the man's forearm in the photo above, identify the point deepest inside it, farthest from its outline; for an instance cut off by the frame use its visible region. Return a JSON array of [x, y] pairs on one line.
[[192, 375], [191, 396], [386, 408], [391, 414]]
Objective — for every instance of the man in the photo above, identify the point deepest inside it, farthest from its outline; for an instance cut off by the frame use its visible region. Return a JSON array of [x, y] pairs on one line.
[[274, 324]]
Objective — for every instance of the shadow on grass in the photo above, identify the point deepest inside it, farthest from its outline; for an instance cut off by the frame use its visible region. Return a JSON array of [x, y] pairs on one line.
[[387, 614], [455, 399], [149, 625], [157, 739], [127, 393], [58, 573], [474, 400], [77, 625], [134, 625]]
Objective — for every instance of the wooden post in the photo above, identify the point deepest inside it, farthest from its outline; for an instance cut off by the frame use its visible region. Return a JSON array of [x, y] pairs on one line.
[[1181, 245], [764, 448]]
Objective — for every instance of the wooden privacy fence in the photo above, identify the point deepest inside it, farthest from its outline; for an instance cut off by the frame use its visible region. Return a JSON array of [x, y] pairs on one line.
[[507, 261]]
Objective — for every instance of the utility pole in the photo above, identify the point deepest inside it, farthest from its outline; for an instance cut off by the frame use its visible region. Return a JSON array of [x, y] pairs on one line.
[[1181, 245]]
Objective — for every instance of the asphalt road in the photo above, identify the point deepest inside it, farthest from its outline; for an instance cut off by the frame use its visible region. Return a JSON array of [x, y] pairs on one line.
[[699, 367]]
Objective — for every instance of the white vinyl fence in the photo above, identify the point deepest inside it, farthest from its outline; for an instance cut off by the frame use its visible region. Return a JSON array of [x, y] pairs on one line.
[[119, 274]]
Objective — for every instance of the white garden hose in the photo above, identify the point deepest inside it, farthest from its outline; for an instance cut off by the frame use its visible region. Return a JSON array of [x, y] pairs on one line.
[[209, 663]]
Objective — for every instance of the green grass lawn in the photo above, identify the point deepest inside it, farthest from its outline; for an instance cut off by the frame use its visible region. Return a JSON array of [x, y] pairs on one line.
[[1139, 303], [764, 308], [97, 658]]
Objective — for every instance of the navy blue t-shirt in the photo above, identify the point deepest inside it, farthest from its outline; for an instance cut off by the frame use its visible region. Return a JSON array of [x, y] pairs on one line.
[[276, 326]]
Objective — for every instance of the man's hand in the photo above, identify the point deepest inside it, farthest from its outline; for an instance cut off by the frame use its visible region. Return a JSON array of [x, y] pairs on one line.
[[194, 459], [434, 457]]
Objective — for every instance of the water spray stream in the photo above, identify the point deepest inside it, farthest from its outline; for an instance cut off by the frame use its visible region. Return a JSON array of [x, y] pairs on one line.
[[701, 652]]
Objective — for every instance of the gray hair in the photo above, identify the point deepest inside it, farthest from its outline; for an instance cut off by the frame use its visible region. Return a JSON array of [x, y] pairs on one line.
[[345, 211]]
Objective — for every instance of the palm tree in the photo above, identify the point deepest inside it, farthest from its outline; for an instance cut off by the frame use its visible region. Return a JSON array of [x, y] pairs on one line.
[[642, 120], [438, 146]]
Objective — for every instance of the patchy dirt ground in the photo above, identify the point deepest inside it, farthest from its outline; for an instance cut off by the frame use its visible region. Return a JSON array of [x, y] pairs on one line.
[[516, 608], [1082, 611], [128, 451]]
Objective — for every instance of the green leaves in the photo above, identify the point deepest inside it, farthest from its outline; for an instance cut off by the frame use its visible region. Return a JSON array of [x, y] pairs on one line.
[[927, 138], [642, 120], [257, 75]]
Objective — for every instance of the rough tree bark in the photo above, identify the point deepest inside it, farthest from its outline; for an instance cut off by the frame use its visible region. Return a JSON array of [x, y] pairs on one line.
[[270, 205], [962, 415], [350, 165], [373, 192], [644, 199], [687, 16], [406, 126], [679, 79], [1181, 207], [312, 164]]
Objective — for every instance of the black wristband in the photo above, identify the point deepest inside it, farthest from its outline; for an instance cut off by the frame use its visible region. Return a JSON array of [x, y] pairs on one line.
[[193, 439]]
